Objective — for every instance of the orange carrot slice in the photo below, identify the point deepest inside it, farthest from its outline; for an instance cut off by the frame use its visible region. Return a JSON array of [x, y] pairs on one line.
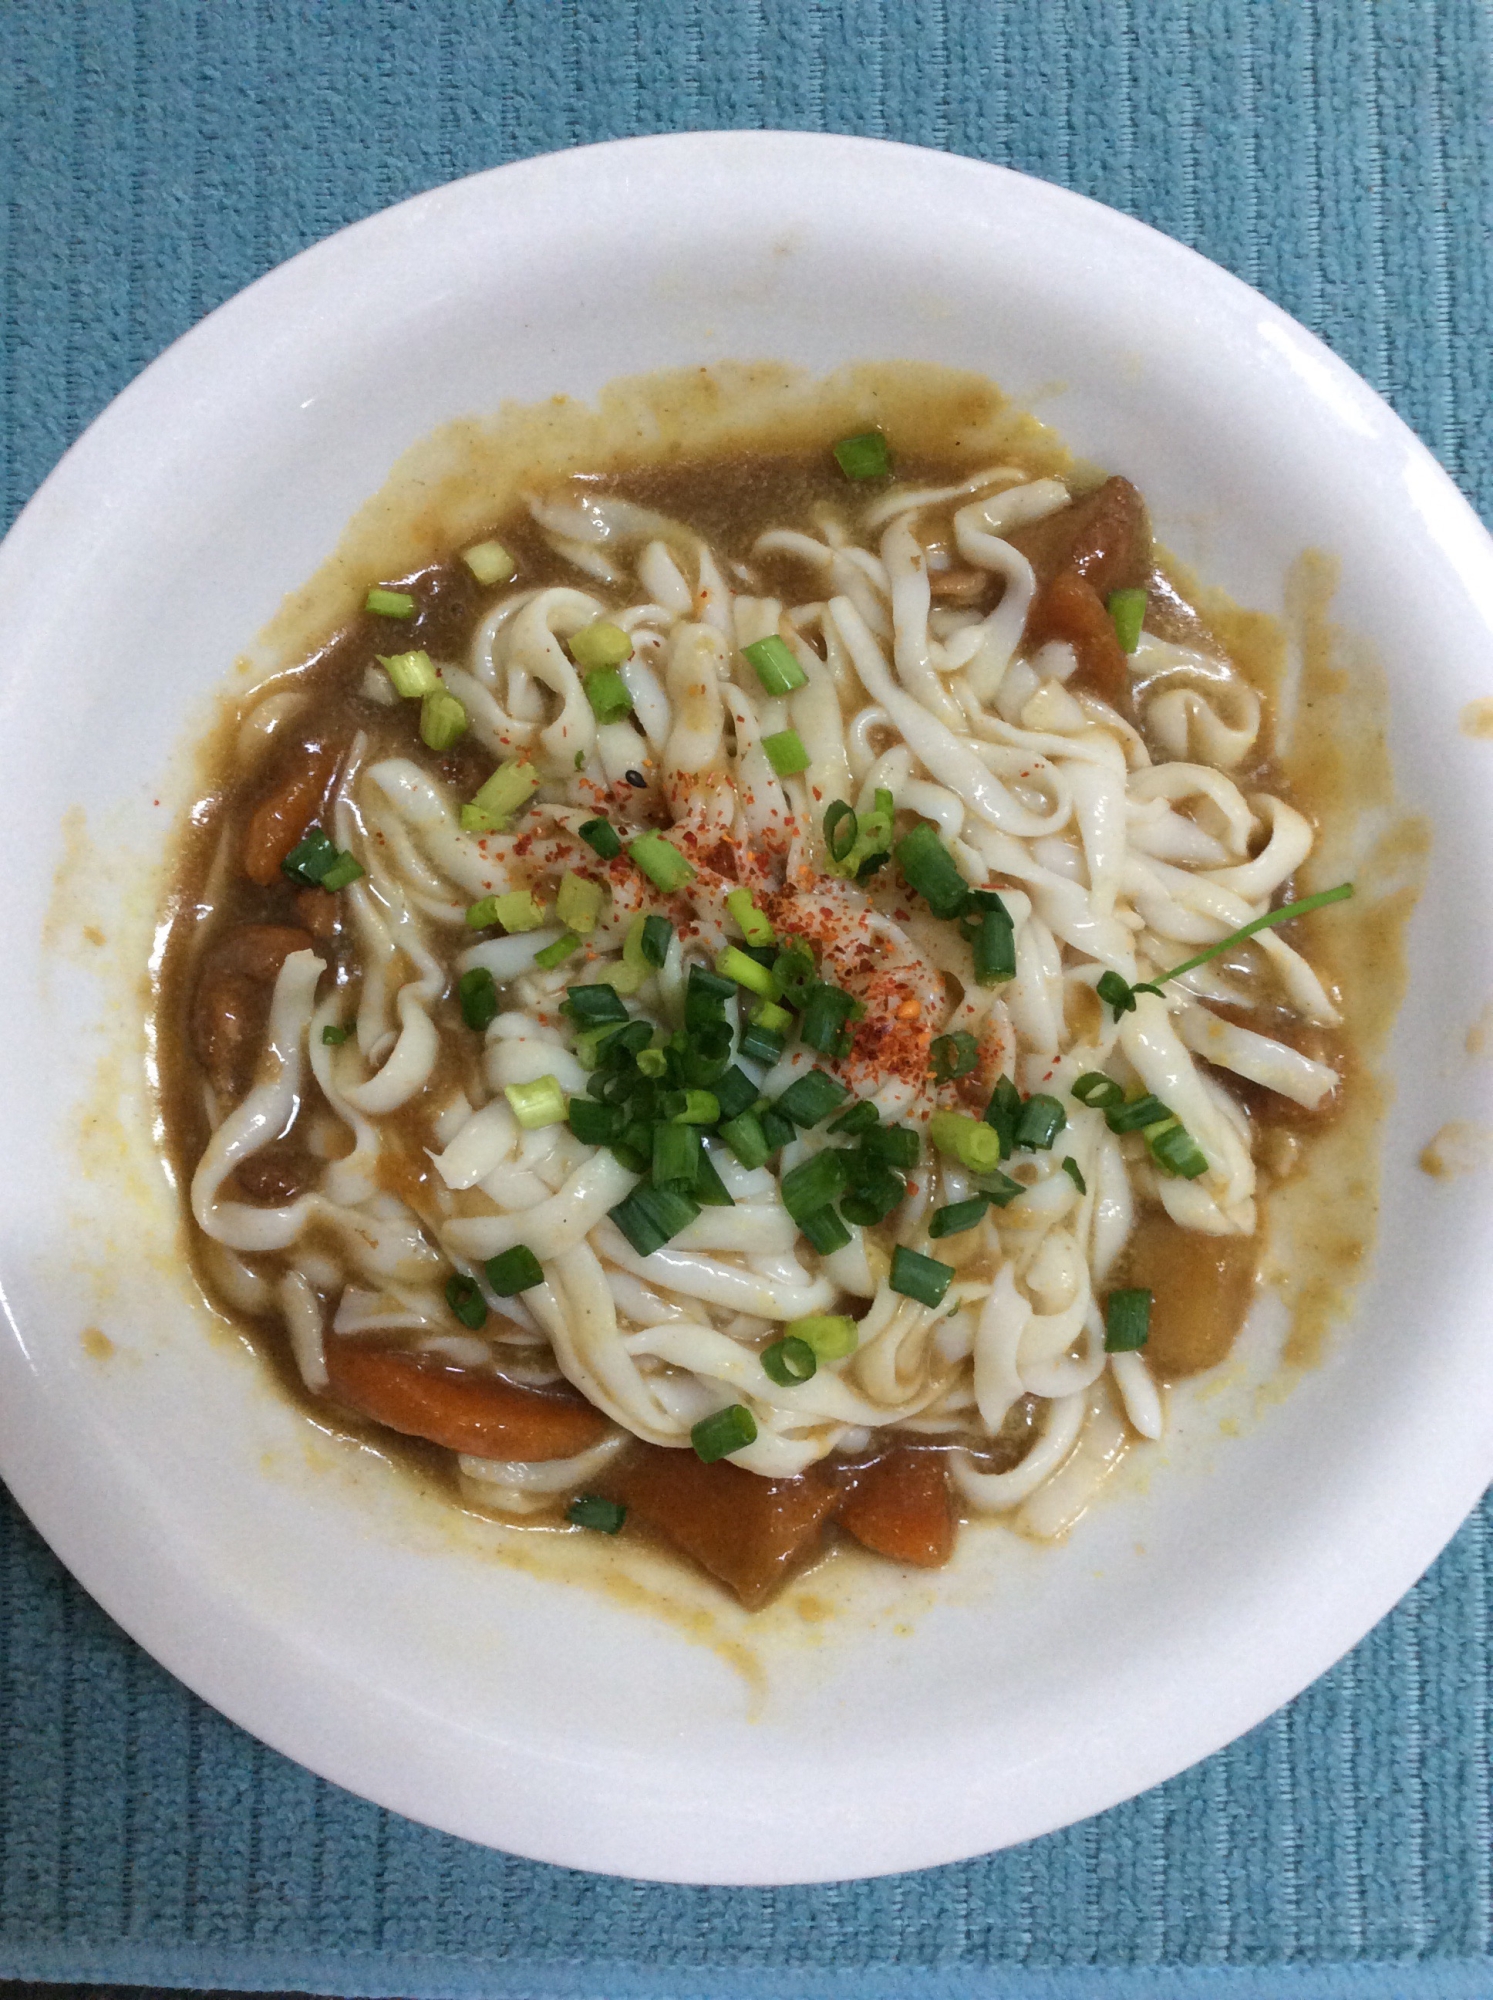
[[462, 1410]]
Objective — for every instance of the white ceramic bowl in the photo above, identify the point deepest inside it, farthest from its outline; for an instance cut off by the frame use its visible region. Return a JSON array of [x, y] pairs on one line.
[[293, 1582]]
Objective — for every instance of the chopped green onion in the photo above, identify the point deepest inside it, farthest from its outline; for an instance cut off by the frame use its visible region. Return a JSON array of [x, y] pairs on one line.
[[343, 872], [727, 1430], [601, 837], [1176, 1152], [464, 1296], [595, 1124], [1000, 1187], [735, 1092], [732, 963], [589, 1510], [759, 1044], [744, 1135], [876, 1193], [518, 910], [390, 603], [578, 904], [704, 1057], [541, 1102], [893, 1146], [1118, 993], [814, 1183], [592, 1004], [630, 1039], [663, 864], [957, 1217], [705, 997], [676, 1156], [918, 1277], [411, 673], [616, 1085], [928, 867], [856, 843], [1136, 1115], [489, 562], [826, 1018], [748, 919], [650, 1216], [710, 1190], [953, 1056], [1098, 1091], [580, 760], [690, 1107], [600, 646], [443, 720], [811, 1097], [789, 1361], [1075, 1174], [767, 1014], [557, 953], [311, 858], [786, 753], [635, 967], [1121, 995], [776, 1129], [635, 1147], [825, 1231], [970, 1141], [859, 1118], [516, 1270], [477, 993], [1041, 1120], [995, 945], [1127, 1321], [654, 1063], [1002, 1112], [841, 828], [653, 943], [775, 665], [333, 1038], [831, 1335], [864, 456], [794, 974], [608, 695], [1127, 611], [492, 807]]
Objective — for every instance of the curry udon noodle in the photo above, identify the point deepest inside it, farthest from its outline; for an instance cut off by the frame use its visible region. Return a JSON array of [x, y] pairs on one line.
[[674, 1017]]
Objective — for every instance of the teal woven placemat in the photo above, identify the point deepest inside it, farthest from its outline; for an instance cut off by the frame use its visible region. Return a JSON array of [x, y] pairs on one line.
[[156, 156]]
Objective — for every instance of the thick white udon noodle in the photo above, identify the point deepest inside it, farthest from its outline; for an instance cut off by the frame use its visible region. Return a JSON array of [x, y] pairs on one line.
[[1120, 862]]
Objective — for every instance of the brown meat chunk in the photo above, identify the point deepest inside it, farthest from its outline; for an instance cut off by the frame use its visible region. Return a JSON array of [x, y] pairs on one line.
[[1202, 1289], [319, 911], [958, 586], [752, 1533], [900, 1508], [272, 1177], [460, 1409], [280, 819], [1079, 555], [232, 1001], [1104, 536], [1070, 608]]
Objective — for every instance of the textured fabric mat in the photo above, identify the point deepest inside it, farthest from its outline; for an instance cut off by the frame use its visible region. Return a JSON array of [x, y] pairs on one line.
[[155, 157]]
